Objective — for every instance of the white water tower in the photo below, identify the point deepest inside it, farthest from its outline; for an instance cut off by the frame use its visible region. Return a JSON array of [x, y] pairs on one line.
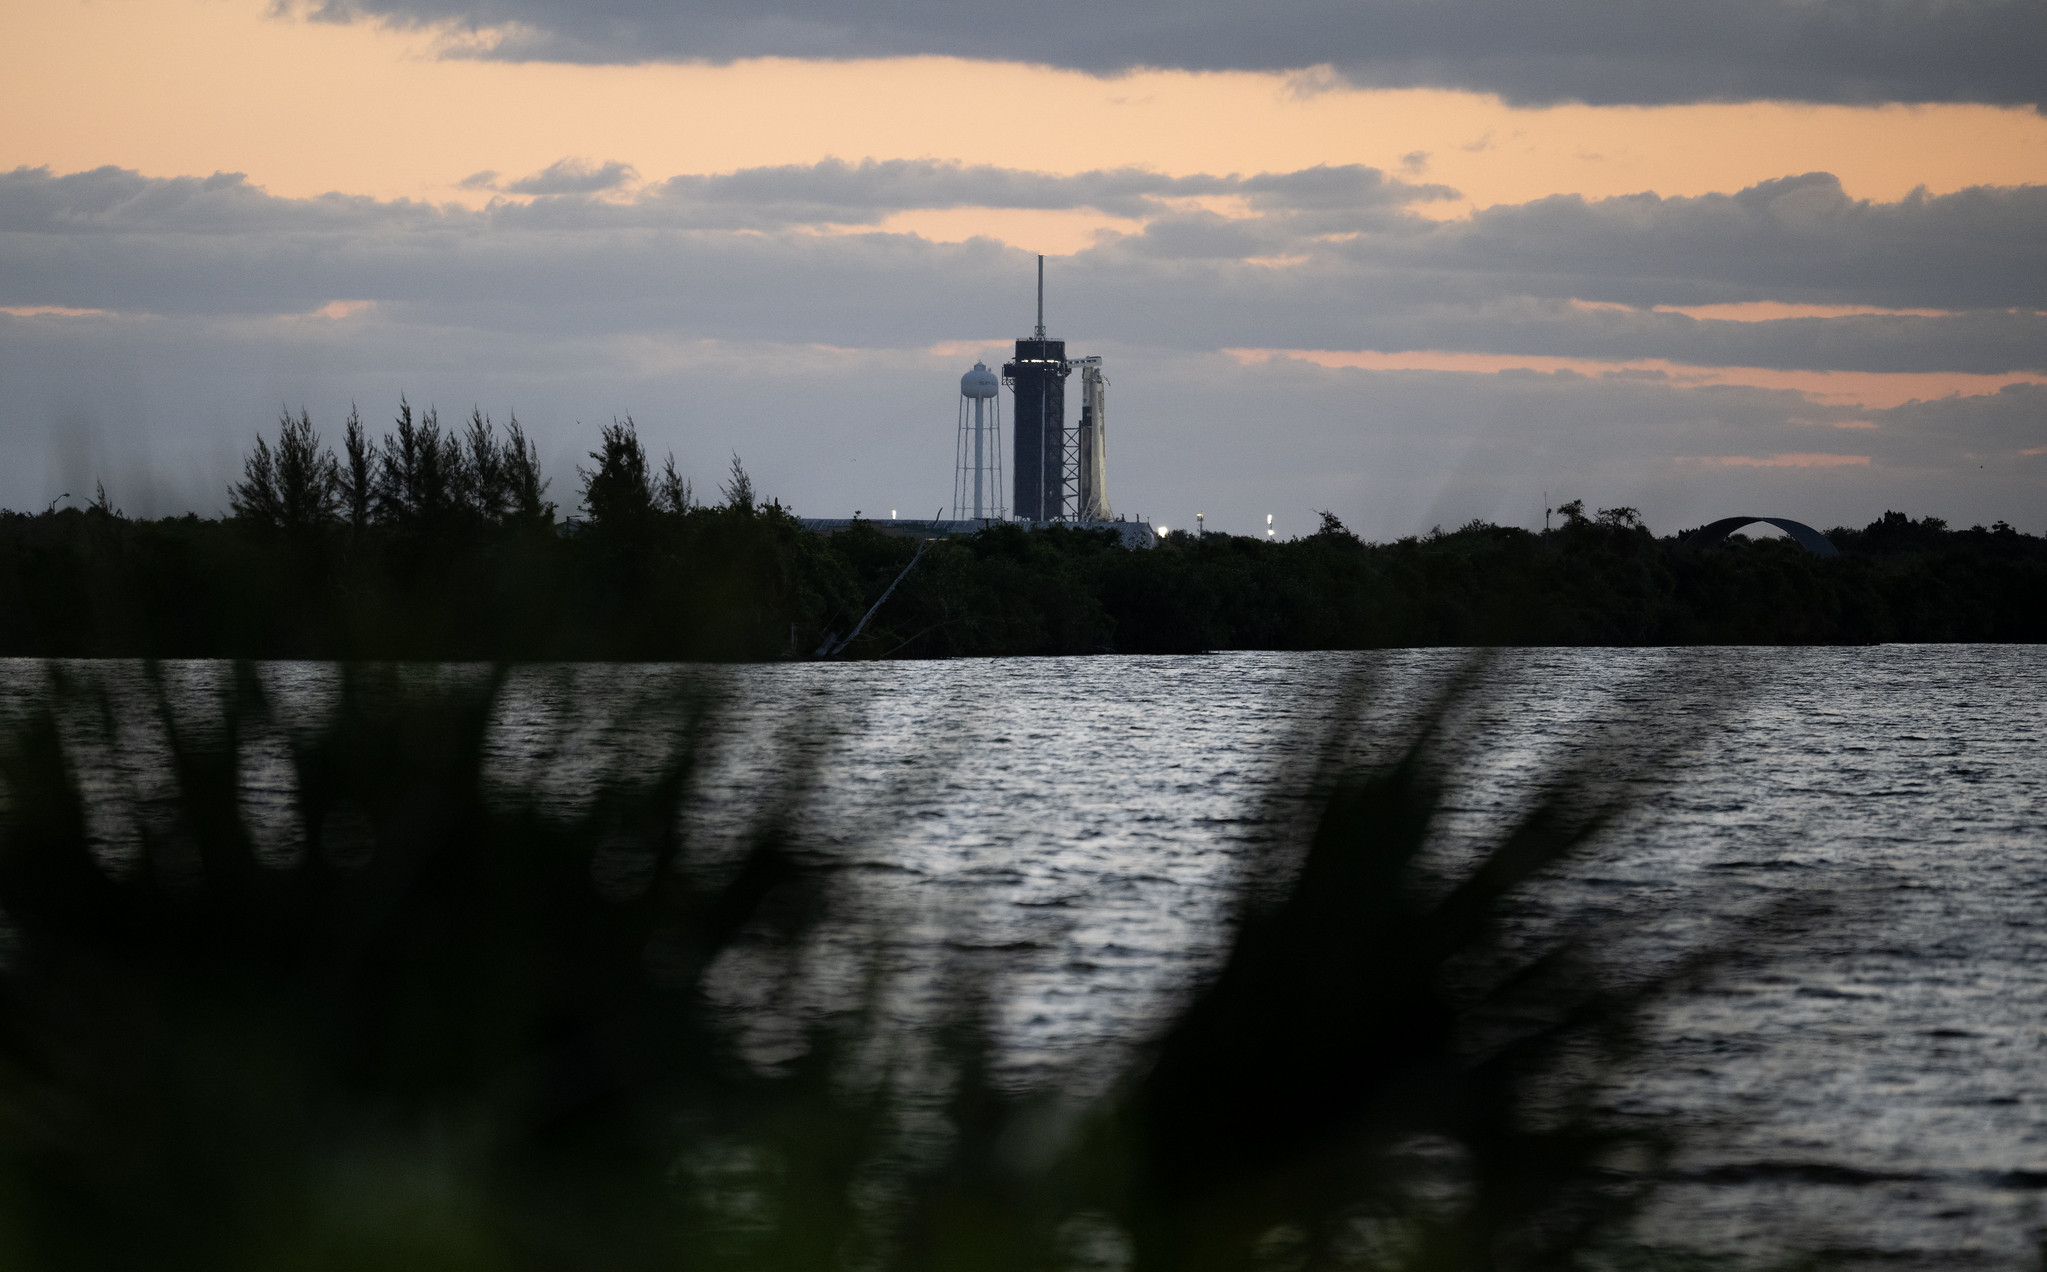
[[977, 459]]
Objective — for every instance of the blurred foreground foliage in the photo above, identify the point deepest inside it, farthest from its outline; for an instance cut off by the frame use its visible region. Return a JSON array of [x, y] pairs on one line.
[[403, 1025]]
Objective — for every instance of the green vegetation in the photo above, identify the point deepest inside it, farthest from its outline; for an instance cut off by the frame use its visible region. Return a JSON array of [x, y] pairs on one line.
[[388, 1019], [442, 545]]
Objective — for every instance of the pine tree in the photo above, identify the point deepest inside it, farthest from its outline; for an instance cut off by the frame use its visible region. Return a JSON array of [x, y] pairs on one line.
[[254, 497], [358, 474], [308, 478], [297, 486], [484, 469], [738, 489], [617, 492], [524, 488], [423, 473], [676, 497]]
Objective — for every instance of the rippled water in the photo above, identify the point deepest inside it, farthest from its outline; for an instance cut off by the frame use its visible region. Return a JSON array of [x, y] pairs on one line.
[[1866, 1088]]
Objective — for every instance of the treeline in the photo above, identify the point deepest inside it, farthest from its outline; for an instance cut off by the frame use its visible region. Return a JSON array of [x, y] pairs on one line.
[[1598, 579], [441, 543], [418, 477], [428, 542]]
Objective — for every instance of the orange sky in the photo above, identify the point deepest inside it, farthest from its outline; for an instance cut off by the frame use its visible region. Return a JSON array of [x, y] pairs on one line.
[[194, 86], [1875, 390]]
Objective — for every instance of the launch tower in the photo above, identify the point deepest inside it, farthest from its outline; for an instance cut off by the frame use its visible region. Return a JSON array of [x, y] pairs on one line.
[[1038, 424], [1060, 473]]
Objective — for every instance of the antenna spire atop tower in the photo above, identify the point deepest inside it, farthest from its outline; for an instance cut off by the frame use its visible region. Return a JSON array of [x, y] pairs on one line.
[[1041, 296]]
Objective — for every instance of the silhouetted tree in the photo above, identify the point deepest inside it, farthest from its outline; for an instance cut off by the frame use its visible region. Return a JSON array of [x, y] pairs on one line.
[[617, 492], [254, 497], [675, 494], [738, 490], [1332, 530], [295, 487], [422, 472], [1897, 532], [358, 473], [524, 488], [484, 466]]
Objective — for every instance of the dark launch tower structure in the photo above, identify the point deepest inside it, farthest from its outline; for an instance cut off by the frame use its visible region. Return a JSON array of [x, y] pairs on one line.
[[1038, 426]]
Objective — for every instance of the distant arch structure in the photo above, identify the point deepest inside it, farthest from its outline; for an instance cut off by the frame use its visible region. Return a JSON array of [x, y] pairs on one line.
[[1804, 535]]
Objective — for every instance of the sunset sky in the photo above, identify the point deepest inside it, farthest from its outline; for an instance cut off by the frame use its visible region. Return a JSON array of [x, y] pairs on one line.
[[1411, 261]]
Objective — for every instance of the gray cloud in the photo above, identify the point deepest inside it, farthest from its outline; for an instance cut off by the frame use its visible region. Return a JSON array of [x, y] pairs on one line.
[[836, 192], [575, 176], [119, 201], [1326, 258], [1528, 51], [1801, 238]]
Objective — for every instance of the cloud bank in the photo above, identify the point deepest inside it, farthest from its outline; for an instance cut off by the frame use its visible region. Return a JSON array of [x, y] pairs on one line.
[[1328, 258], [1527, 51]]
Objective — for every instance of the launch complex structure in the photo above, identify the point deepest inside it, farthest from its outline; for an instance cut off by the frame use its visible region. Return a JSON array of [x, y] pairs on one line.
[[1060, 473]]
